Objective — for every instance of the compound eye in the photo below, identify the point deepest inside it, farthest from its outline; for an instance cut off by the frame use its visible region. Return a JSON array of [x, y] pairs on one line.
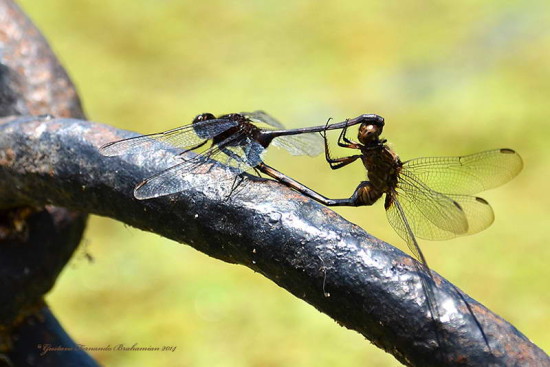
[[369, 129], [369, 133], [204, 117], [375, 129]]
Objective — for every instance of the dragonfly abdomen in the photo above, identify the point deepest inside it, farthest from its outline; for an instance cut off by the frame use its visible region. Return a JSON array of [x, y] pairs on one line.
[[367, 194]]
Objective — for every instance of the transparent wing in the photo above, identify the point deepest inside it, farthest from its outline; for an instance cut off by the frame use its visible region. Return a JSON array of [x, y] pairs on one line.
[[165, 182], [430, 214], [235, 151], [262, 116], [435, 216], [184, 137], [398, 218], [467, 174], [479, 213], [304, 144], [244, 156]]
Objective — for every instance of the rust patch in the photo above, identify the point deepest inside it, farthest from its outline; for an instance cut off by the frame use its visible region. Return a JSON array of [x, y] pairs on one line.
[[7, 157], [101, 135], [42, 85]]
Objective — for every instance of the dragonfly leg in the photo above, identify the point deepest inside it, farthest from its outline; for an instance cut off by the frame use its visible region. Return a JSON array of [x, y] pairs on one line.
[[336, 163], [258, 172], [236, 183], [344, 142]]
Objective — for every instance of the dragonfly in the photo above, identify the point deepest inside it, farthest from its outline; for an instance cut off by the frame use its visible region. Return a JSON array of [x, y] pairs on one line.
[[238, 140], [430, 198]]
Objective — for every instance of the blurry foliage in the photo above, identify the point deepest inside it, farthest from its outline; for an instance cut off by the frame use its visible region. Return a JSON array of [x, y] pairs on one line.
[[449, 77]]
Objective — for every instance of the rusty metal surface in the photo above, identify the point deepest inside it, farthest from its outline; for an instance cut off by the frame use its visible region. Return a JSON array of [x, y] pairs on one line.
[[35, 242], [363, 283], [32, 81]]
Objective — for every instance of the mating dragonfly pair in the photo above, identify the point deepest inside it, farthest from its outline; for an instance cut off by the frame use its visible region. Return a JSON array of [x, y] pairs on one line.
[[430, 198]]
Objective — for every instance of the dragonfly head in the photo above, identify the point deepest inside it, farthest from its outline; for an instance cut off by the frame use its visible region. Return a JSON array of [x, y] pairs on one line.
[[203, 117], [199, 128], [370, 131]]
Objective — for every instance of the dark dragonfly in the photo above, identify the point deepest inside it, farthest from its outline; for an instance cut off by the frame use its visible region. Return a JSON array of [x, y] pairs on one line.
[[429, 198], [237, 140]]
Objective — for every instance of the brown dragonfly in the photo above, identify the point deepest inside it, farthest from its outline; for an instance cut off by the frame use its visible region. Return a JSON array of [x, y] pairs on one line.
[[430, 198], [238, 140]]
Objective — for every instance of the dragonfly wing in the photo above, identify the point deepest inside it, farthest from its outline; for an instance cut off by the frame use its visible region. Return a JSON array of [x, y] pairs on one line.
[[261, 116], [165, 182], [432, 215], [238, 151], [467, 174], [244, 156], [398, 220], [184, 138], [170, 180], [478, 212], [435, 216], [304, 144], [147, 142], [210, 128]]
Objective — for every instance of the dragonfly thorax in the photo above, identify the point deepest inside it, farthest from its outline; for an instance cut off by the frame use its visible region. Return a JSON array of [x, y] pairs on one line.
[[382, 165]]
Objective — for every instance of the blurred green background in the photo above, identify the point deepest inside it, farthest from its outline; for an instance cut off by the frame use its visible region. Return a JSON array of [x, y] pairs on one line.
[[449, 77]]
